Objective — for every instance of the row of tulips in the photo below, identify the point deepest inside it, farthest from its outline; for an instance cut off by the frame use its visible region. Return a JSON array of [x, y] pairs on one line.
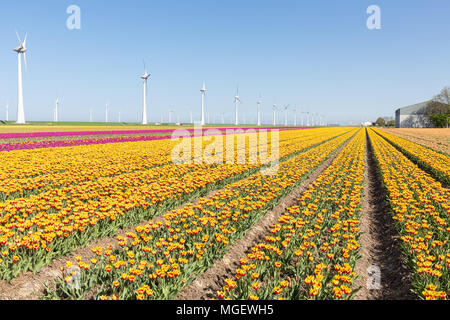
[[435, 162], [421, 207], [163, 256], [436, 139], [35, 229], [32, 144], [167, 131], [31, 172], [312, 250]]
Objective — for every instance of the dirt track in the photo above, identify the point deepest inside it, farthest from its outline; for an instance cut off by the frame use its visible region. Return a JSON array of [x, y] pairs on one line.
[[381, 256]]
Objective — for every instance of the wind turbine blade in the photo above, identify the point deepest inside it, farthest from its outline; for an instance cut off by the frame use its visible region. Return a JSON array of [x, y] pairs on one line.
[[25, 40], [18, 38]]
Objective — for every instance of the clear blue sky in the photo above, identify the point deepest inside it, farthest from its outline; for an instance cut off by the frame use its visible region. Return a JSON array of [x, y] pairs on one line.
[[318, 55]]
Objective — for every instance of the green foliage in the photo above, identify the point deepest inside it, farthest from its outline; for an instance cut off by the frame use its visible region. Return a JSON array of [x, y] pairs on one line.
[[440, 120], [380, 122]]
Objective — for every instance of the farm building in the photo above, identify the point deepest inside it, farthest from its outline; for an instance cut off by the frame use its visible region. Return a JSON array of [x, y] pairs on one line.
[[413, 116]]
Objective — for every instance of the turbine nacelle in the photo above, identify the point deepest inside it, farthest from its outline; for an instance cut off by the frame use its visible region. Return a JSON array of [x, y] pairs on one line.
[[145, 76], [20, 49]]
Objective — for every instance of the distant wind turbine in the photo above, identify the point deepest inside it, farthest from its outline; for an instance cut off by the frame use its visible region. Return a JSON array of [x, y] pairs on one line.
[[286, 115], [106, 113], [295, 117], [21, 50], [7, 111], [55, 115], [203, 91], [90, 115], [259, 111], [274, 114], [236, 101]]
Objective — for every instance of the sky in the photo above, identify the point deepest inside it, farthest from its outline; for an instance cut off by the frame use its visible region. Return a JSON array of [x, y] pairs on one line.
[[315, 56]]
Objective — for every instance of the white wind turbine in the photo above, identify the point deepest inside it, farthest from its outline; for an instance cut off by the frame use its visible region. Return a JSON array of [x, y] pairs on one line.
[[274, 114], [7, 111], [144, 77], [203, 91], [21, 50], [106, 113], [295, 117], [259, 111], [90, 115], [55, 114], [236, 101], [286, 115]]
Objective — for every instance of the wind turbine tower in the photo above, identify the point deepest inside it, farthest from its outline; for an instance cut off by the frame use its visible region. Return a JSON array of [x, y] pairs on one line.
[[236, 101], [144, 77], [286, 115], [295, 117], [21, 50], [106, 113], [56, 110], [259, 111], [7, 111], [203, 91], [274, 114]]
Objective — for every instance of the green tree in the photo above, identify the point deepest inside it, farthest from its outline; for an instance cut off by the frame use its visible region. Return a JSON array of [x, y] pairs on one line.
[[438, 110], [380, 122]]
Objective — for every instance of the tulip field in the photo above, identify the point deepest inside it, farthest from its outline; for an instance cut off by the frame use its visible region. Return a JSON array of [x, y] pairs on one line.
[[161, 225]]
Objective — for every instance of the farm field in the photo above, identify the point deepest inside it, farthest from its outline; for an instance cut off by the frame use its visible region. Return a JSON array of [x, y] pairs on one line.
[[437, 139], [105, 213]]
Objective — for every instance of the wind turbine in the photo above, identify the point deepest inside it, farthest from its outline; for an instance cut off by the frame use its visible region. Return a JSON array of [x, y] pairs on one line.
[[55, 115], [274, 114], [295, 117], [7, 111], [90, 115], [259, 111], [106, 113], [21, 50], [144, 77], [236, 101], [286, 115], [119, 116], [203, 91], [307, 119]]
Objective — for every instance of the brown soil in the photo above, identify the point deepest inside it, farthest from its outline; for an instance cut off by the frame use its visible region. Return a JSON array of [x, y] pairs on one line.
[[207, 284], [379, 243]]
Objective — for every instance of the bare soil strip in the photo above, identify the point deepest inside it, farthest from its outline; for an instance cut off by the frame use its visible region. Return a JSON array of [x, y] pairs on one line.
[[379, 244], [207, 284]]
